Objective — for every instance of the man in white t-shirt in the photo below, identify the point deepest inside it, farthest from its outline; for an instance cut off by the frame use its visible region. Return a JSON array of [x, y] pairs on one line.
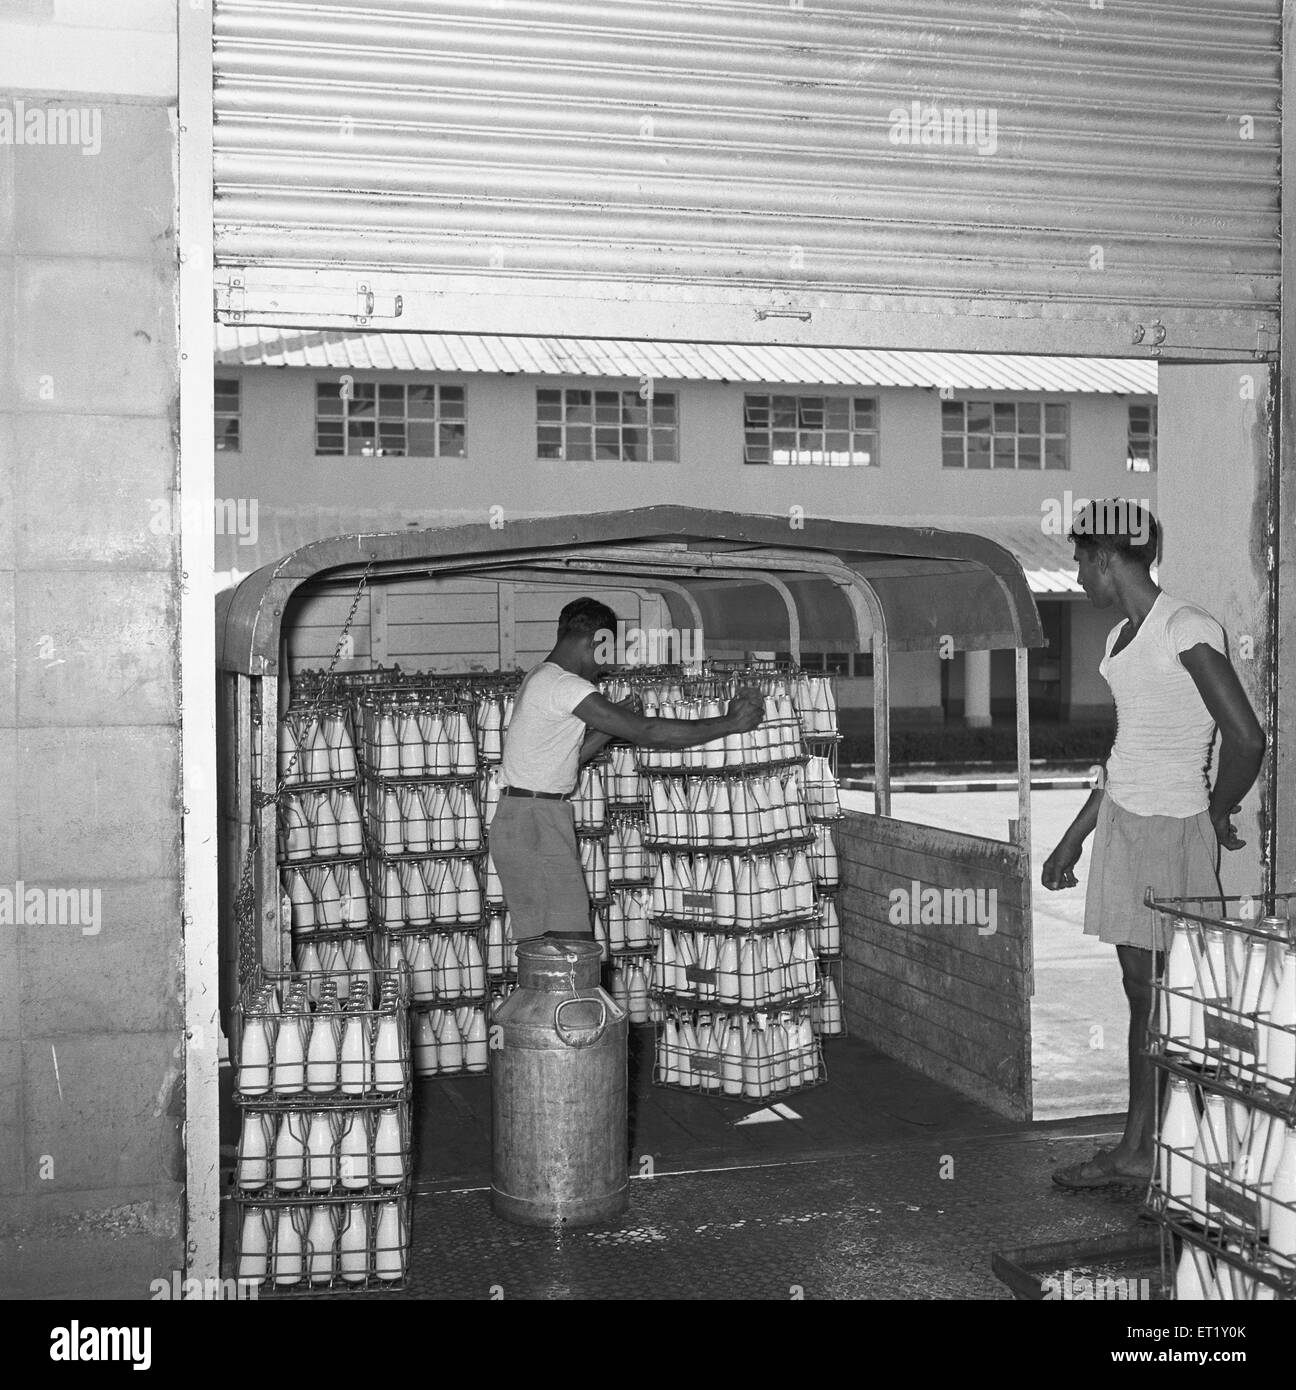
[[559, 722], [1158, 822]]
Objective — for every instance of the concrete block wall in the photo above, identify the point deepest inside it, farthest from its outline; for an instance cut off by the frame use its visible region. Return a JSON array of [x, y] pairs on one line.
[[91, 1026]]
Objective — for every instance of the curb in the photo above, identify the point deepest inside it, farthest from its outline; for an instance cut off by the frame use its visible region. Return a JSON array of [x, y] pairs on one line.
[[1075, 782]]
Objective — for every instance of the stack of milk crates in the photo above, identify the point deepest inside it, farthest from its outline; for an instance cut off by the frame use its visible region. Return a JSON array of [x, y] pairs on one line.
[[1224, 1046], [324, 1163], [738, 828], [419, 758]]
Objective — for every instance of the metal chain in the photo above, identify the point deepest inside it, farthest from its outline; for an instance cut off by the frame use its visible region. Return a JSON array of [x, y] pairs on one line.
[[245, 896]]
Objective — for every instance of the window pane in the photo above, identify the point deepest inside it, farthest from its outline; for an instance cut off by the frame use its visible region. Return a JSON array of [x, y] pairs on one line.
[[549, 442], [952, 451], [664, 446], [451, 395], [1005, 453], [1028, 417], [784, 441], [328, 398], [1005, 417], [607, 413], [421, 402], [328, 437], [952, 417], [978, 417], [1028, 451], [549, 410], [580, 412], [756, 411], [757, 449], [1055, 419], [1055, 453], [392, 432], [635, 414], [978, 451], [837, 441], [422, 439], [544, 397], [634, 445], [837, 662], [811, 412], [1139, 419], [391, 395], [453, 439], [227, 436], [663, 407], [608, 442], [226, 395]]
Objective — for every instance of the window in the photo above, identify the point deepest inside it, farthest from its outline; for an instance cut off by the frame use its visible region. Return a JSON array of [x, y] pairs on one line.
[[834, 663], [1141, 448], [837, 431], [395, 420], [1005, 434], [227, 415], [579, 424]]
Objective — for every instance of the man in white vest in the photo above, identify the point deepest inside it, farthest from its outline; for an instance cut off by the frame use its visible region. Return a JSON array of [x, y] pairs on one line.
[[1156, 821], [560, 720]]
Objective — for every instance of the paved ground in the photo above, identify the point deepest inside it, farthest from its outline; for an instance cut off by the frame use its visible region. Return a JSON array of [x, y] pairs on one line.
[[1078, 1014]]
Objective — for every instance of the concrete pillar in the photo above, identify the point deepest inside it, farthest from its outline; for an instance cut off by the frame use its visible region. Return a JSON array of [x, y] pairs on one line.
[[976, 689], [1212, 497]]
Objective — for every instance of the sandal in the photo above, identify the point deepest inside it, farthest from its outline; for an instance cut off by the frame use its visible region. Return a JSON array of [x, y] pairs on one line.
[[1096, 1172]]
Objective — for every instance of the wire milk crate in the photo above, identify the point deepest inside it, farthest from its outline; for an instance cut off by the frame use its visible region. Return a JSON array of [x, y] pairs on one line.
[[297, 1154], [299, 1047], [749, 1057], [1227, 996], [1223, 1040], [341, 1244]]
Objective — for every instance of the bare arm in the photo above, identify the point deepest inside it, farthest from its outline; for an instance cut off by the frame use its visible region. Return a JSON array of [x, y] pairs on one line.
[[1242, 740], [616, 722], [1059, 867]]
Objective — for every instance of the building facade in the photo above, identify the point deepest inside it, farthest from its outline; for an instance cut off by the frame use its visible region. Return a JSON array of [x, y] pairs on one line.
[[323, 433]]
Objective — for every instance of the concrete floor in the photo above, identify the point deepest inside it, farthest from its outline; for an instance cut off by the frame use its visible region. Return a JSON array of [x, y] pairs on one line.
[[885, 1186]]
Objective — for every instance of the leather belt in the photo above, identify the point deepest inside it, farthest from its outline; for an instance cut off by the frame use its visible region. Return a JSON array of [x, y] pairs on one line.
[[540, 796]]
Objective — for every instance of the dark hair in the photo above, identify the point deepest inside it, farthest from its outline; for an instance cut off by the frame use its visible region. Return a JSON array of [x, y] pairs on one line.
[[584, 617], [1118, 526]]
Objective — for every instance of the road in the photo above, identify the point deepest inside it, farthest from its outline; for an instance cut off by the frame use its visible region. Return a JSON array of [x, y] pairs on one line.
[[1078, 1014]]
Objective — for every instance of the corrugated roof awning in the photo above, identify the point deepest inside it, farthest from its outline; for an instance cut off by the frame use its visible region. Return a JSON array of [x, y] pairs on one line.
[[764, 364]]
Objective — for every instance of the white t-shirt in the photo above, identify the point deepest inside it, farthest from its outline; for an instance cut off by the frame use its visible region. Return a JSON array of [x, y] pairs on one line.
[[542, 745], [1163, 728]]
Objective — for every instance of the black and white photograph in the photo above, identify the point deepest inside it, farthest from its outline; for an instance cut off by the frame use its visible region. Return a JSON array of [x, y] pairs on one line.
[[646, 655]]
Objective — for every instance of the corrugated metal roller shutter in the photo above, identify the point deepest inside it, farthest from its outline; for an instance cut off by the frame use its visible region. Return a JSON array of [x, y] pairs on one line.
[[1041, 178]]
